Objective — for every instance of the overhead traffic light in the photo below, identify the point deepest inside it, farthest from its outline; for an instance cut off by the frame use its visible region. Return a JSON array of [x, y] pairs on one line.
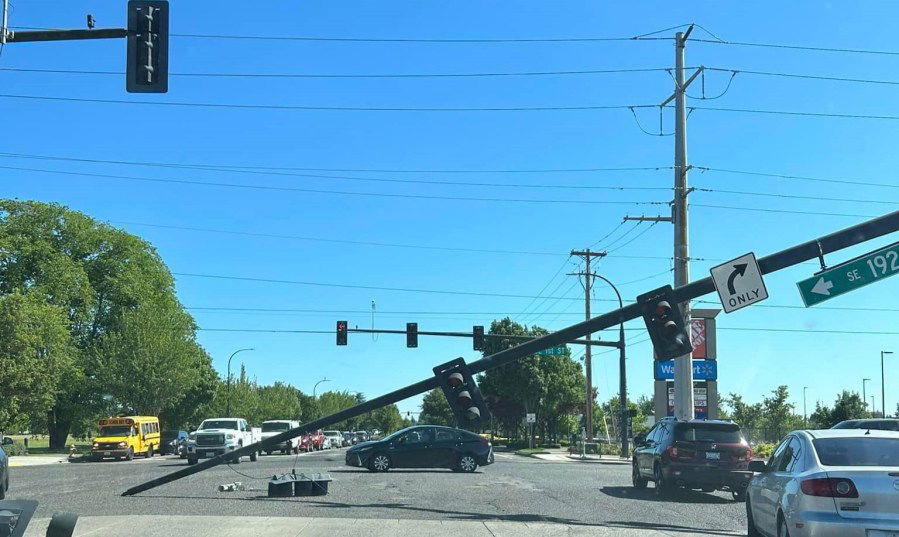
[[147, 62], [462, 393], [665, 323], [341, 332], [477, 338], [412, 335]]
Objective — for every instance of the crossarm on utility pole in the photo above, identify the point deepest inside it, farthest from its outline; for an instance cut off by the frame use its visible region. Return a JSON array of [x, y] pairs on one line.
[[794, 255]]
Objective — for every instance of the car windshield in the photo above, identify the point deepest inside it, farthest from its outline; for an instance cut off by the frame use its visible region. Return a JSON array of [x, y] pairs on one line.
[[272, 427], [523, 226], [115, 430], [858, 451], [218, 424], [708, 433]]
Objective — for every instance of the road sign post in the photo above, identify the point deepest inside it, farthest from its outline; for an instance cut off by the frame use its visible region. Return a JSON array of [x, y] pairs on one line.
[[851, 275]]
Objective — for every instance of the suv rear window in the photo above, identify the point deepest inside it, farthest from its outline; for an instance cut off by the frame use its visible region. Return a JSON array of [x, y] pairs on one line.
[[856, 451], [724, 433]]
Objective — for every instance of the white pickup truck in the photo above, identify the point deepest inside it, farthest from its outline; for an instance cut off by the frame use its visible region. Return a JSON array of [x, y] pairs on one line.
[[272, 427], [221, 435]]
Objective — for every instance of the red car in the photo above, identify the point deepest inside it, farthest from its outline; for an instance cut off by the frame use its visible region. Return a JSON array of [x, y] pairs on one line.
[[312, 441]]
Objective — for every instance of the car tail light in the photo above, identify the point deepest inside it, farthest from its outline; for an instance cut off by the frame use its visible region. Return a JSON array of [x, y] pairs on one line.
[[484, 440], [748, 454], [831, 487], [682, 454]]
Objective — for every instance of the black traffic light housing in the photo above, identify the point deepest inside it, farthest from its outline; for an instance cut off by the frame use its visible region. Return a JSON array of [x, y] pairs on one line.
[[147, 62], [412, 335], [462, 393], [341, 332], [477, 338], [665, 323]]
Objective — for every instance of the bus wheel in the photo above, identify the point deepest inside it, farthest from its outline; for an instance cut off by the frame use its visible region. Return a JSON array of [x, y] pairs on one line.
[[149, 451], [130, 454]]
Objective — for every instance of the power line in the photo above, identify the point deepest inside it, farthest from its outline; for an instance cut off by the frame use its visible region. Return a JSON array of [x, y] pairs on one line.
[[782, 211], [372, 170], [635, 237], [349, 75], [545, 287], [793, 113], [794, 196], [334, 192], [366, 287], [651, 276], [609, 234], [805, 76], [623, 235], [796, 177], [796, 47], [325, 108]]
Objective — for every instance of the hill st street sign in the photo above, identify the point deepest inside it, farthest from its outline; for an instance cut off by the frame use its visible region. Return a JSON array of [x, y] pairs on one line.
[[739, 283], [558, 350], [850, 275]]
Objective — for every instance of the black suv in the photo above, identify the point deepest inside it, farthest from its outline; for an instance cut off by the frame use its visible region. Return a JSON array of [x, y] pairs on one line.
[[697, 454]]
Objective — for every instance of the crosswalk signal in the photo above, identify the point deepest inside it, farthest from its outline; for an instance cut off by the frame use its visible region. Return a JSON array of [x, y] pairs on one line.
[[147, 62], [412, 335], [341, 332], [477, 338], [462, 393], [665, 323]]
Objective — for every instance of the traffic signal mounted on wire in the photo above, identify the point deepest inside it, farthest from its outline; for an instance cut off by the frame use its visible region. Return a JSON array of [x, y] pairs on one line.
[[665, 324], [412, 335], [341, 332], [147, 62], [477, 338], [462, 393]]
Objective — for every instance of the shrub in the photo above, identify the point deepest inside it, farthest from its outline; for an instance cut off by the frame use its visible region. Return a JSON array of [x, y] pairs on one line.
[[14, 449], [763, 450]]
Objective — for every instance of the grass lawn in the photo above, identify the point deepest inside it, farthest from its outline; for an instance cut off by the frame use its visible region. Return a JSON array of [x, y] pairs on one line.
[[527, 452], [41, 445]]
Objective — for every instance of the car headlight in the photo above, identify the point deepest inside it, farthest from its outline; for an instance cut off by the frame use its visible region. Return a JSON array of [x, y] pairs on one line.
[[231, 436], [123, 444], [96, 445]]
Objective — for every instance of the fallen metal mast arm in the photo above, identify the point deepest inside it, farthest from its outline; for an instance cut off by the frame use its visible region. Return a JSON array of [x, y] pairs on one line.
[[785, 258], [65, 35]]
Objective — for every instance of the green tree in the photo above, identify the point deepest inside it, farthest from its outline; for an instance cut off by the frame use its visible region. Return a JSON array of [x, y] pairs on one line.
[[93, 272], [435, 409], [385, 419], [278, 401], [847, 406], [778, 417], [35, 357], [747, 416]]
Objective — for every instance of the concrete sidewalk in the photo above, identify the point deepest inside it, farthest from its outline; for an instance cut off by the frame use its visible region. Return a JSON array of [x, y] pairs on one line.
[[240, 526], [564, 456]]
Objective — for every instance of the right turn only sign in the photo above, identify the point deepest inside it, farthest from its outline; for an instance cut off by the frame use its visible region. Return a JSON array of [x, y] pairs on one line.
[[739, 283]]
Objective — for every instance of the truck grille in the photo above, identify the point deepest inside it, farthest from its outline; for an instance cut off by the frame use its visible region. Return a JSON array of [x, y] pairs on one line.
[[109, 446], [210, 439]]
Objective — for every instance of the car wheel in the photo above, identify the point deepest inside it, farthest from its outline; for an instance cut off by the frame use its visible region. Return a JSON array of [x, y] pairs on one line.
[[191, 461], [637, 480], [130, 454], [467, 463], [268, 452], [751, 530], [782, 529], [3, 487], [254, 456], [380, 463], [663, 488]]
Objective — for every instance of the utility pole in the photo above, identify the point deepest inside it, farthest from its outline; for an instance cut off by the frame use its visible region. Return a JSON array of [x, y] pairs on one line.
[[588, 356], [4, 23], [683, 365]]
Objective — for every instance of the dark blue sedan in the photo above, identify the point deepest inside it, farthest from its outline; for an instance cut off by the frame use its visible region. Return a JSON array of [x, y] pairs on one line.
[[423, 446], [4, 473]]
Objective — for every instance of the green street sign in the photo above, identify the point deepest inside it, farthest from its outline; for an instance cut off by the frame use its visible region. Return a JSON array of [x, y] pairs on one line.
[[558, 350], [850, 275]]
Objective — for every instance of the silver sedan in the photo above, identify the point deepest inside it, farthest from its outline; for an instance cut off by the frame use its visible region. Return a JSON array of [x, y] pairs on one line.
[[832, 482]]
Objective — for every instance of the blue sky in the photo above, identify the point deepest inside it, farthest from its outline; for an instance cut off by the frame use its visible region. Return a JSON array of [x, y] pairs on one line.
[[750, 362]]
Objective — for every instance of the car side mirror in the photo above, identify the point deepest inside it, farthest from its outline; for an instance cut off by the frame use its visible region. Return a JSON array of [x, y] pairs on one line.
[[640, 440], [401, 440], [758, 467]]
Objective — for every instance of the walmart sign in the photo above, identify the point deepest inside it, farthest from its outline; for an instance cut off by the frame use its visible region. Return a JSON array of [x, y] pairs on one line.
[[702, 370]]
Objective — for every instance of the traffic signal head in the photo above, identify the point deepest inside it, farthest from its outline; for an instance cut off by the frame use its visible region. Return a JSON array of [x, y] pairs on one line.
[[665, 323], [341, 332], [147, 61], [477, 338], [412, 335], [462, 393]]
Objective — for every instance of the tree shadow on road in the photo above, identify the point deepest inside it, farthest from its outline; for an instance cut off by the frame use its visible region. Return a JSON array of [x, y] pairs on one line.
[[682, 495]]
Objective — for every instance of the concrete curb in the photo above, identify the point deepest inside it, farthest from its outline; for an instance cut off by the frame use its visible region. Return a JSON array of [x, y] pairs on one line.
[[21, 461]]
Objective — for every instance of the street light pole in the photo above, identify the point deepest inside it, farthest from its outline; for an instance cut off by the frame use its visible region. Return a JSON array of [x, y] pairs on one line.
[[883, 397], [228, 411], [864, 396], [804, 411], [326, 379], [622, 374]]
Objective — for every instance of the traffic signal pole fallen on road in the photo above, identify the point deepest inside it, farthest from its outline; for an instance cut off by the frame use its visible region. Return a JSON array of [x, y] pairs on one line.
[[814, 249]]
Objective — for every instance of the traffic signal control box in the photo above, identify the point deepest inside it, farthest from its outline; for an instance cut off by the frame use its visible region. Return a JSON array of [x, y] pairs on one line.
[[462, 393]]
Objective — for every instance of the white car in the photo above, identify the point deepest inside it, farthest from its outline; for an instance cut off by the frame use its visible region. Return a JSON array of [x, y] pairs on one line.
[[832, 482], [334, 439], [272, 427], [219, 436]]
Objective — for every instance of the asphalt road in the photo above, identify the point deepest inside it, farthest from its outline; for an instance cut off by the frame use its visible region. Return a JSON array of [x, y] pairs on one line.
[[513, 489]]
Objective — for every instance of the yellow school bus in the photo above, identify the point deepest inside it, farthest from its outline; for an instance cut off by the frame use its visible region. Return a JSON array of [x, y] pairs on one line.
[[125, 437]]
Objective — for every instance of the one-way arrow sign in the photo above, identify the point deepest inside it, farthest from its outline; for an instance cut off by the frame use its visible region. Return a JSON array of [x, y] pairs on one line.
[[739, 283], [850, 275]]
